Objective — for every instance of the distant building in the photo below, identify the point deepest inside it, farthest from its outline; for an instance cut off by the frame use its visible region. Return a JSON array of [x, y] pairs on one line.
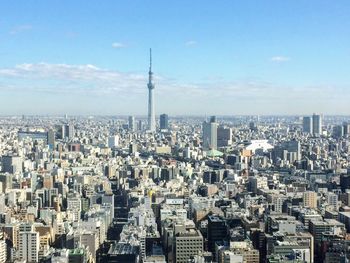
[[113, 141], [48, 137], [12, 164], [317, 124], [307, 124], [224, 136], [346, 128], [164, 122], [132, 123], [338, 131], [68, 131], [209, 130]]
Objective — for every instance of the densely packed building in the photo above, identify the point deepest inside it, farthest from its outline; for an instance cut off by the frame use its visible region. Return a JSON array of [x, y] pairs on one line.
[[226, 190]]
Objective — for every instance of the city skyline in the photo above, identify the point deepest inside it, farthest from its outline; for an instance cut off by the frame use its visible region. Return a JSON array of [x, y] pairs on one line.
[[234, 55]]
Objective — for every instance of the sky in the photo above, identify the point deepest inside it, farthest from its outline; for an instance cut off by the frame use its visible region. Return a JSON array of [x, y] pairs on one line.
[[209, 57]]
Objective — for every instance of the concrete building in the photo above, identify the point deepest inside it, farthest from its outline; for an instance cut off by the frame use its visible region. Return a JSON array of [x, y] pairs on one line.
[[307, 124], [224, 136], [188, 242], [209, 132], [164, 122], [132, 123], [28, 243], [310, 199], [317, 124]]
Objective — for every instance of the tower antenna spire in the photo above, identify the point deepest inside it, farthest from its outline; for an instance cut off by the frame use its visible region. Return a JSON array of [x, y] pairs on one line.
[[150, 59]]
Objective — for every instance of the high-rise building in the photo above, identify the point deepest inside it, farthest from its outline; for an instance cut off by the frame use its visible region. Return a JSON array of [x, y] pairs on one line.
[[316, 124], [164, 122], [310, 199], [307, 124], [12, 164], [217, 231], [338, 131], [3, 249], [210, 130], [224, 136], [213, 119], [346, 128], [132, 124], [28, 243], [51, 138], [68, 131], [113, 141], [151, 112]]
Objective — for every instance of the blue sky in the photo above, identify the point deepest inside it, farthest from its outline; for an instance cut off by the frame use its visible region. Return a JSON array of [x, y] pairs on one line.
[[210, 57]]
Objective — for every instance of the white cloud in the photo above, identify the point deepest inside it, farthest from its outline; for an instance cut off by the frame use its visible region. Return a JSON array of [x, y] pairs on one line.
[[129, 90], [280, 59], [19, 29], [118, 45], [190, 43]]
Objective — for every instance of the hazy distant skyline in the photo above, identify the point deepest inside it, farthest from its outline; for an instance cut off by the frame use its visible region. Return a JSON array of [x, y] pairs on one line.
[[226, 57]]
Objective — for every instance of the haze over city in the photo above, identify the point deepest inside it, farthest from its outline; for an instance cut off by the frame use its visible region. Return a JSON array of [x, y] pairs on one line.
[[227, 58]]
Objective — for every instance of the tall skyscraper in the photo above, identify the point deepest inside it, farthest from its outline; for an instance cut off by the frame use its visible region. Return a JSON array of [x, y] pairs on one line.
[[150, 85], [132, 126], [210, 138], [164, 122], [307, 124], [317, 124]]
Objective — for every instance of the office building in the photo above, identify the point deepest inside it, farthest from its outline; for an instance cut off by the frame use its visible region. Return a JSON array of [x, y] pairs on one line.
[[310, 199], [47, 137], [224, 136], [317, 124], [68, 131], [209, 131], [338, 131], [132, 123], [217, 231], [113, 141], [28, 243], [12, 164], [3, 248], [307, 124], [164, 122], [188, 242]]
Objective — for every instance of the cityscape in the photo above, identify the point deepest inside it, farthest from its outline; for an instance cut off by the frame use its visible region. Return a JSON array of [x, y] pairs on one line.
[[181, 172]]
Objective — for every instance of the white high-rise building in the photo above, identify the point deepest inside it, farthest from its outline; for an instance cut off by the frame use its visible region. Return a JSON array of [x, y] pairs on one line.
[[28, 243], [150, 85]]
